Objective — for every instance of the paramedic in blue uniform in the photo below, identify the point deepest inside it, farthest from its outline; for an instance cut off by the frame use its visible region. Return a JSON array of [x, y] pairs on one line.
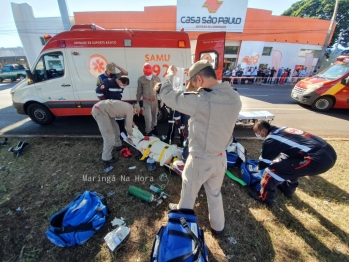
[[112, 89], [110, 72], [213, 112], [306, 155]]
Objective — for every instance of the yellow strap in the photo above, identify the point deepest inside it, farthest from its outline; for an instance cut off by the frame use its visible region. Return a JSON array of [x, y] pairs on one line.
[[146, 152], [162, 153]]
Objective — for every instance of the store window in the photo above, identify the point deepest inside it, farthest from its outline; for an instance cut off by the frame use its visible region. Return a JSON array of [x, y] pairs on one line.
[[303, 52], [267, 51], [231, 50], [262, 66], [229, 64]]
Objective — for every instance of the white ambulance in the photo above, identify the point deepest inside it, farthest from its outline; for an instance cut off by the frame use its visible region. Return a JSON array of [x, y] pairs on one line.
[[62, 81]]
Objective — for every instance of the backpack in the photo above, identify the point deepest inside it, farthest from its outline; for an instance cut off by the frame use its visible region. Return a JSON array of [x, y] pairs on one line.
[[79, 220], [233, 159], [236, 154], [180, 240], [250, 174]]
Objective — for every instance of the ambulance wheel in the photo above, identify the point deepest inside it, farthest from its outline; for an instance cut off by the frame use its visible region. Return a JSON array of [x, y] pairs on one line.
[[162, 115], [40, 114], [323, 103]]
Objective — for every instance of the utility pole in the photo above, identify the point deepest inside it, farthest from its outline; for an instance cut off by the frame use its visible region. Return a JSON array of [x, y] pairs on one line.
[[339, 39], [329, 33]]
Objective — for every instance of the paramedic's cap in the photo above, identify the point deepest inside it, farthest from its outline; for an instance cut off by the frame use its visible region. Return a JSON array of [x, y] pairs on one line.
[[111, 68], [196, 68]]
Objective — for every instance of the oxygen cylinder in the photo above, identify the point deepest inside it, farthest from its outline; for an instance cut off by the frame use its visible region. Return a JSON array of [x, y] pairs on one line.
[[141, 194]]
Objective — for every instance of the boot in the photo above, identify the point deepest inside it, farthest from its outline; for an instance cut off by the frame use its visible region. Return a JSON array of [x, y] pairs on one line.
[[155, 132], [288, 188], [268, 198]]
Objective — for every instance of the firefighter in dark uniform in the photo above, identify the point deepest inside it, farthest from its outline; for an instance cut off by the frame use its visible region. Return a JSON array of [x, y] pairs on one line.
[[177, 121], [112, 89], [303, 154]]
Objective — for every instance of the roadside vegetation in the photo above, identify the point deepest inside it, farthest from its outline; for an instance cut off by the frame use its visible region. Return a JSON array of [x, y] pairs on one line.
[[313, 226]]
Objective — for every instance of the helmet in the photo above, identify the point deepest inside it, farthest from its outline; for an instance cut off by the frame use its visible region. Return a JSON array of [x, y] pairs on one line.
[[147, 69]]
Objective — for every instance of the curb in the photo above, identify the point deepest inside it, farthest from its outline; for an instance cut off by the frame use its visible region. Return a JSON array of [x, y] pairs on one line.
[[99, 136]]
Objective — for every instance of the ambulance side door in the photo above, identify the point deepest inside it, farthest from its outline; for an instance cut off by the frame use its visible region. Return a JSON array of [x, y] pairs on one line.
[[210, 47], [54, 84]]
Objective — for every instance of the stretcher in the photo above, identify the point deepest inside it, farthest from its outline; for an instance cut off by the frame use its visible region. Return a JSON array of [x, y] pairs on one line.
[[167, 155], [170, 155], [151, 146], [249, 118]]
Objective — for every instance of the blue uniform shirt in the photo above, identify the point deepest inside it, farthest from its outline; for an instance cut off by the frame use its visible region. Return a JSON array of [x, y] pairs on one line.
[[111, 90]]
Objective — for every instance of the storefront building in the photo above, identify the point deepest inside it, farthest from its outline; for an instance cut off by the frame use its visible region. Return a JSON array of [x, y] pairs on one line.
[[254, 37]]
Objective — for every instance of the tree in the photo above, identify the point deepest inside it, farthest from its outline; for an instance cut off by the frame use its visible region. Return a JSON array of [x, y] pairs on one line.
[[323, 9]]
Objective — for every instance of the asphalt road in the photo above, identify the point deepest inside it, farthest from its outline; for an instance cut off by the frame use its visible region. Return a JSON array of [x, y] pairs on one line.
[[275, 99]]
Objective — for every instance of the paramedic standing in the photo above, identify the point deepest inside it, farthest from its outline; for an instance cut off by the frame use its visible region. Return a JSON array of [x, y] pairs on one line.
[[305, 155], [213, 112], [110, 73], [148, 85], [104, 113]]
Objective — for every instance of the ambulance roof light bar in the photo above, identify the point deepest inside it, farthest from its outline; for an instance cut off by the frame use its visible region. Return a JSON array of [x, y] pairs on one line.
[[47, 37], [86, 27]]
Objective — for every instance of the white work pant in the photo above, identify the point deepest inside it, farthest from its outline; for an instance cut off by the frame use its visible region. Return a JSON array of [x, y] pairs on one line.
[[210, 173], [110, 132], [150, 114]]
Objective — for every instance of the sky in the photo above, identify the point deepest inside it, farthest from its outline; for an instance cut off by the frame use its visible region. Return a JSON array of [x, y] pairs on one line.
[[49, 8]]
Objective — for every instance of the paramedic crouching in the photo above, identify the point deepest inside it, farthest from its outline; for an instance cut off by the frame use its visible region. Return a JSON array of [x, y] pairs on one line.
[[213, 111], [104, 112], [113, 89], [305, 155]]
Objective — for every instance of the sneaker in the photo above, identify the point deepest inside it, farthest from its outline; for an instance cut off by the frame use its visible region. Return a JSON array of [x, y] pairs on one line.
[[173, 206], [255, 195], [218, 234], [113, 160]]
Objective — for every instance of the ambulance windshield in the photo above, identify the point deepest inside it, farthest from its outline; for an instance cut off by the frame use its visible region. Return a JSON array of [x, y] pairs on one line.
[[334, 72]]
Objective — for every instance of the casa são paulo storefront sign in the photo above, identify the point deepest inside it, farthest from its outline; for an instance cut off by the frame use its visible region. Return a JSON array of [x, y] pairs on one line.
[[211, 15]]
